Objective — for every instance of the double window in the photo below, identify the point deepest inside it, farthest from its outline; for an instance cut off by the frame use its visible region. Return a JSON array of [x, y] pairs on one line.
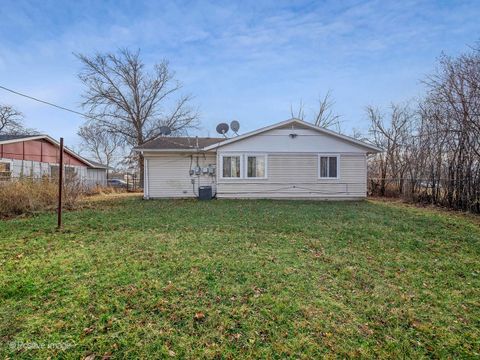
[[249, 166], [328, 166]]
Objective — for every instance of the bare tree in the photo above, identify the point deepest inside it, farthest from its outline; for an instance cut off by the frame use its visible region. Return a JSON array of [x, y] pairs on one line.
[[104, 146], [432, 153], [10, 120], [392, 137], [299, 113], [126, 99], [323, 116]]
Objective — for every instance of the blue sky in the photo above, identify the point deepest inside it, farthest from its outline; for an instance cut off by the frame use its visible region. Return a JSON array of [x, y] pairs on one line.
[[246, 60]]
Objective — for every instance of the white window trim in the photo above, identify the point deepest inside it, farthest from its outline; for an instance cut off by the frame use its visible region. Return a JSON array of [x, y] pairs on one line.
[[221, 156], [246, 155], [319, 169]]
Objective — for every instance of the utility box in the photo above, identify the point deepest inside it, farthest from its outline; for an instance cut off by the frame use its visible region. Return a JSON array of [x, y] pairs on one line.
[[205, 193]]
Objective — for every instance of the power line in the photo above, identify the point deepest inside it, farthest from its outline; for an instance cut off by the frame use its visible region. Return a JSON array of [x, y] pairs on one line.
[[47, 103], [67, 109]]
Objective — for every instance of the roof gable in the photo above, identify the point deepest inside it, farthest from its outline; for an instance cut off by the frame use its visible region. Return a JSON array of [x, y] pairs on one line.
[[296, 124]]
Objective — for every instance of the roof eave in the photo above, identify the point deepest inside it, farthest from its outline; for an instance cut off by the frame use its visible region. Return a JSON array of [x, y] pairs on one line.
[[171, 150], [4, 142]]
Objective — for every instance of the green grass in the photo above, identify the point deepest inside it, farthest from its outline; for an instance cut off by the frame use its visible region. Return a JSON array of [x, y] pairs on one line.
[[241, 279]]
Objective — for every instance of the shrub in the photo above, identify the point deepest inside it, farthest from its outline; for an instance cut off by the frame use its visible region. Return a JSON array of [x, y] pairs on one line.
[[26, 196]]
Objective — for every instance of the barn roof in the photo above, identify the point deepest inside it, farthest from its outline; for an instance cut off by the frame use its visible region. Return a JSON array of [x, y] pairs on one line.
[[9, 139]]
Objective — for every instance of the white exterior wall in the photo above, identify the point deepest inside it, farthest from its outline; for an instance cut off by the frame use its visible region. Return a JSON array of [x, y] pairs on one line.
[[20, 168], [292, 167], [296, 176], [306, 141], [96, 177], [37, 169], [168, 174]]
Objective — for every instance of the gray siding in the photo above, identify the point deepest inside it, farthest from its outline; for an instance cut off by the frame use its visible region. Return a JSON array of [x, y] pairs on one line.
[[296, 176], [96, 177], [38, 169], [168, 175]]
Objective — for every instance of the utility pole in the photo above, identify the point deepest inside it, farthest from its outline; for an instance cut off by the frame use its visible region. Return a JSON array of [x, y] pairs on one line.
[[60, 186]]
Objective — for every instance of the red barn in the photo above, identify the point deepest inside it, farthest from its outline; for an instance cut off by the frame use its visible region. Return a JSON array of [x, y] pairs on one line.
[[39, 155]]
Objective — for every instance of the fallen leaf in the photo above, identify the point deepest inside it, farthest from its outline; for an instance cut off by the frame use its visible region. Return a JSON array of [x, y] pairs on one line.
[[199, 316]]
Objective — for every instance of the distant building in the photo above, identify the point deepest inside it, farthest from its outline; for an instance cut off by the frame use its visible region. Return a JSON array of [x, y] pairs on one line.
[[38, 156]]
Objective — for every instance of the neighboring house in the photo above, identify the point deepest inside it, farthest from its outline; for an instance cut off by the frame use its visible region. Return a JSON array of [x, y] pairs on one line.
[[38, 155], [289, 160]]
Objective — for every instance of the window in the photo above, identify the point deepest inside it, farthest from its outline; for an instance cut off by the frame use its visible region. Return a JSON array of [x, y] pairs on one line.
[[5, 171], [68, 171], [328, 168], [230, 166], [256, 166]]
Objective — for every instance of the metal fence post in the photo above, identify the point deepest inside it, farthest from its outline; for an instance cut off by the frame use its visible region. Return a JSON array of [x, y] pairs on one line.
[[60, 186]]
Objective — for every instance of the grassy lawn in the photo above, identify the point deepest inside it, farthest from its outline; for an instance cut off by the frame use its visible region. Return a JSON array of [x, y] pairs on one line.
[[241, 279]]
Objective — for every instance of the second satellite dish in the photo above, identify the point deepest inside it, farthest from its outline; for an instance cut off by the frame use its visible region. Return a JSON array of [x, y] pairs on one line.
[[165, 130], [222, 128], [235, 126]]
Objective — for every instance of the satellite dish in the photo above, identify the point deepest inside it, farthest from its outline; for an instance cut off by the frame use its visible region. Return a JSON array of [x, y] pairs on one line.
[[235, 126], [222, 128], [165, 130]]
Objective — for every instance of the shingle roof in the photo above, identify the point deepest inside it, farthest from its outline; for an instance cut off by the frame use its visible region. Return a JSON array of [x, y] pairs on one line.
[[97, 165], [179, 143], [15, 137]]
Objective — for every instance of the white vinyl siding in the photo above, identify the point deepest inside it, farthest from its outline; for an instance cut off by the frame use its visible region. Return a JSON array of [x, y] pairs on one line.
[[296, 176], [168, 175], [96, 177]]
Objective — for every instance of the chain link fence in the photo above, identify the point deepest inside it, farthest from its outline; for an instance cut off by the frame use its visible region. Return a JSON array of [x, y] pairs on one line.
[[452, 193]]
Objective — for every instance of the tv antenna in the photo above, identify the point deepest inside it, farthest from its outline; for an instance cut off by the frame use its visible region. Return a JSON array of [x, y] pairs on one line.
[[165, 130]]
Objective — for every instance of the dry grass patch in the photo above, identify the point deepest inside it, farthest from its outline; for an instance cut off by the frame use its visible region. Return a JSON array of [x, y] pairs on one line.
[[27, 196]]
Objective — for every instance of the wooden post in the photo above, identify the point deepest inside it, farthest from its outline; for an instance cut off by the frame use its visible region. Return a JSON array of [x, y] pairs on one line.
[[60, 185]]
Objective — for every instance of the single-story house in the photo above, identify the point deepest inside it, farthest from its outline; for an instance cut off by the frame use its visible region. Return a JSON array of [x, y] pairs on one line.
[[38, 155], [292, 159]]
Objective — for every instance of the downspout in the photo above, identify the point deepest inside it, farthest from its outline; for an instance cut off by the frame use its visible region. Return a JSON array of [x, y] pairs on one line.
[[146, 179], [198, 166]]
